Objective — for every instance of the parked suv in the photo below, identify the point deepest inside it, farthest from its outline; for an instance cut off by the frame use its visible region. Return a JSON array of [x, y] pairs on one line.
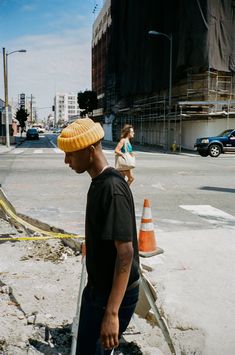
[[223, 143]]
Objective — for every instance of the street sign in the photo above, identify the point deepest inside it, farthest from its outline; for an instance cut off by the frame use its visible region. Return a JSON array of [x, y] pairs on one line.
[[22, 101]]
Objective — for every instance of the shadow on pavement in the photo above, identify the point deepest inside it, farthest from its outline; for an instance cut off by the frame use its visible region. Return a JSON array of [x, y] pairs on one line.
[[42, 142], [219, 189], [53, 340]]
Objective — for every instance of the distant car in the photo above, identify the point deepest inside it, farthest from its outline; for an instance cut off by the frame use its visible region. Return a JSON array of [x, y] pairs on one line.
[[41, 130], [214, 146], [57, 130], [32, 133]]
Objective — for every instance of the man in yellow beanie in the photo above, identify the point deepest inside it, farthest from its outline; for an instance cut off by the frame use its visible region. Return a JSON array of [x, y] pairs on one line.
[[112, 261]]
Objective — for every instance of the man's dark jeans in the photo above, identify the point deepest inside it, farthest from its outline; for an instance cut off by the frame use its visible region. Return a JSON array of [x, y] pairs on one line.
[[91, 315]]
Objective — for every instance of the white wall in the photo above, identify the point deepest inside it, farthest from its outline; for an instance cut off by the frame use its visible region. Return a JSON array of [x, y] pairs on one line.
[[108, 135], [191, 130], [154, 133]]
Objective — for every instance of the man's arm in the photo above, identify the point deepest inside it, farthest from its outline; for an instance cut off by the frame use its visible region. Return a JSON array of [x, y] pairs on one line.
[[110, 324], [119, 147]]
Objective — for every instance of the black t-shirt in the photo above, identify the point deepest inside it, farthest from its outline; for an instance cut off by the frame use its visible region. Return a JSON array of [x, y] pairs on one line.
[[110, 217]]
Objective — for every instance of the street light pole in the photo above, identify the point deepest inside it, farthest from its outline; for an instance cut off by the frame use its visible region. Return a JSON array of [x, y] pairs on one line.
[[6, 97], [5, 70], [169, 37]]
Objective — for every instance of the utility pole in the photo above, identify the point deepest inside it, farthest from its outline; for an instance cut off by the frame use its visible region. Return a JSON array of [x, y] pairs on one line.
[[31, 108], [6, 97], [5, 69]]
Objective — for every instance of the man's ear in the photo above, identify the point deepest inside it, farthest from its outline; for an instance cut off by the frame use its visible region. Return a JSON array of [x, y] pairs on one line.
[[92, 149]]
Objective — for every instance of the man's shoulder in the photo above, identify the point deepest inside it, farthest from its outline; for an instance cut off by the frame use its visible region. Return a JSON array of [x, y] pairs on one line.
[[115, 181], [111, 174]]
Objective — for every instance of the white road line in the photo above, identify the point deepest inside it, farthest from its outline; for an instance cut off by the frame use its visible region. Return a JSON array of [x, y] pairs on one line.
[[107, 151], [38, 151], [17, 151], [159, 186], [52, 143], [58, 151], [211, 214]]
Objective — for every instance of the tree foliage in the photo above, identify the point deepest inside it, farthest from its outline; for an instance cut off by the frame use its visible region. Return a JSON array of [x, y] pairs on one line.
[[87, 101], [21, 116]]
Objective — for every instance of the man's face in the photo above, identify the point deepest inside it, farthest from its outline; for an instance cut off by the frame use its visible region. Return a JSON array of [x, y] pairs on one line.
[[79, 161]]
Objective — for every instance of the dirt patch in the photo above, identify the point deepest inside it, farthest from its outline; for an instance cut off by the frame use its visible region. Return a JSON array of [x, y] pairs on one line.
[[54, 251]]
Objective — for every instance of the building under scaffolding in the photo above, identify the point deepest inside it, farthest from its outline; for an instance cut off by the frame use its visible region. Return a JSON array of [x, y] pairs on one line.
[[136, 71], [205, 101]]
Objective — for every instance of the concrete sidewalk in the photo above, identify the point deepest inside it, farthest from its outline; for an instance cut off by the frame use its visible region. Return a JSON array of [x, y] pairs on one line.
[[147, 148], [195, 284], [18, 140], [4, 149]]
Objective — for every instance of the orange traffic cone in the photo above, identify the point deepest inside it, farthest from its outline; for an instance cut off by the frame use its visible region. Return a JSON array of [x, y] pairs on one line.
[[147, 240]]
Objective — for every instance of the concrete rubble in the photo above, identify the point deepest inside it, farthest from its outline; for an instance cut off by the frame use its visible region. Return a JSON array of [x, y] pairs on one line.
[[39, 283], [38, 290]]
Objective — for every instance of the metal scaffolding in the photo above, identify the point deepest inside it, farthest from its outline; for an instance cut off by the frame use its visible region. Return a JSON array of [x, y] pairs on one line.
[[207, 94]]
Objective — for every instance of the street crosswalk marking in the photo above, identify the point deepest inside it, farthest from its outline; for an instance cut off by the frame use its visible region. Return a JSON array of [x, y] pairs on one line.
[[211, 214], [58, 151], [55, 149], [18, 151], [38, 151], [108, 151]]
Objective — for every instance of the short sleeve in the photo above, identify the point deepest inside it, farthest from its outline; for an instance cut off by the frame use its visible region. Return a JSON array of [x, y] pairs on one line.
[[119, 220]]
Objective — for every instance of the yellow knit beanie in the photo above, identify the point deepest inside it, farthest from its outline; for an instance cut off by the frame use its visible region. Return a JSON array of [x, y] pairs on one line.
[[79, 135]]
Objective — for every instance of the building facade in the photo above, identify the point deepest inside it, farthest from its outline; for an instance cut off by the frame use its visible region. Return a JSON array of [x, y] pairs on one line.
[[11, 114], [66, 106], [131, 69], [100, 46]]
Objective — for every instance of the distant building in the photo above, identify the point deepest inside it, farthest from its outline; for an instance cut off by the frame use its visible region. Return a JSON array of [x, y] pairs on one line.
[[2, 104], [11, 113], [50, 122], [100, 46], [66, 106]]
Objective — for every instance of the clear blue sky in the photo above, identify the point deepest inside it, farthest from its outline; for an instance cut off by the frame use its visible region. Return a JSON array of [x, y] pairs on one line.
[[57, 36]]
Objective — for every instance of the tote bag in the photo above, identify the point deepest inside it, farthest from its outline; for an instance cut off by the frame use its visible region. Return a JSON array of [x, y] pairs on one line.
[[125, 162]]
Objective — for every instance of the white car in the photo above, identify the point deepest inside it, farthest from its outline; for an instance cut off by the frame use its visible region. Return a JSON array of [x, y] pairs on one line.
[[41, 130]]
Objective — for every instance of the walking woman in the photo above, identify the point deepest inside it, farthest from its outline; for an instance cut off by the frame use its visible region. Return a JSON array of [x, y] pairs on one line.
[[125, 146]]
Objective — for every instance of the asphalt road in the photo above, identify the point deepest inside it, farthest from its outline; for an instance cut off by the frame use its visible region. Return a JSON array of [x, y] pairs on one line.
[[193, 210], [186, 191]]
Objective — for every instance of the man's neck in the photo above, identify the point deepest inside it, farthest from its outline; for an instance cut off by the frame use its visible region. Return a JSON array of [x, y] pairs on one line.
[[98, 165]]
